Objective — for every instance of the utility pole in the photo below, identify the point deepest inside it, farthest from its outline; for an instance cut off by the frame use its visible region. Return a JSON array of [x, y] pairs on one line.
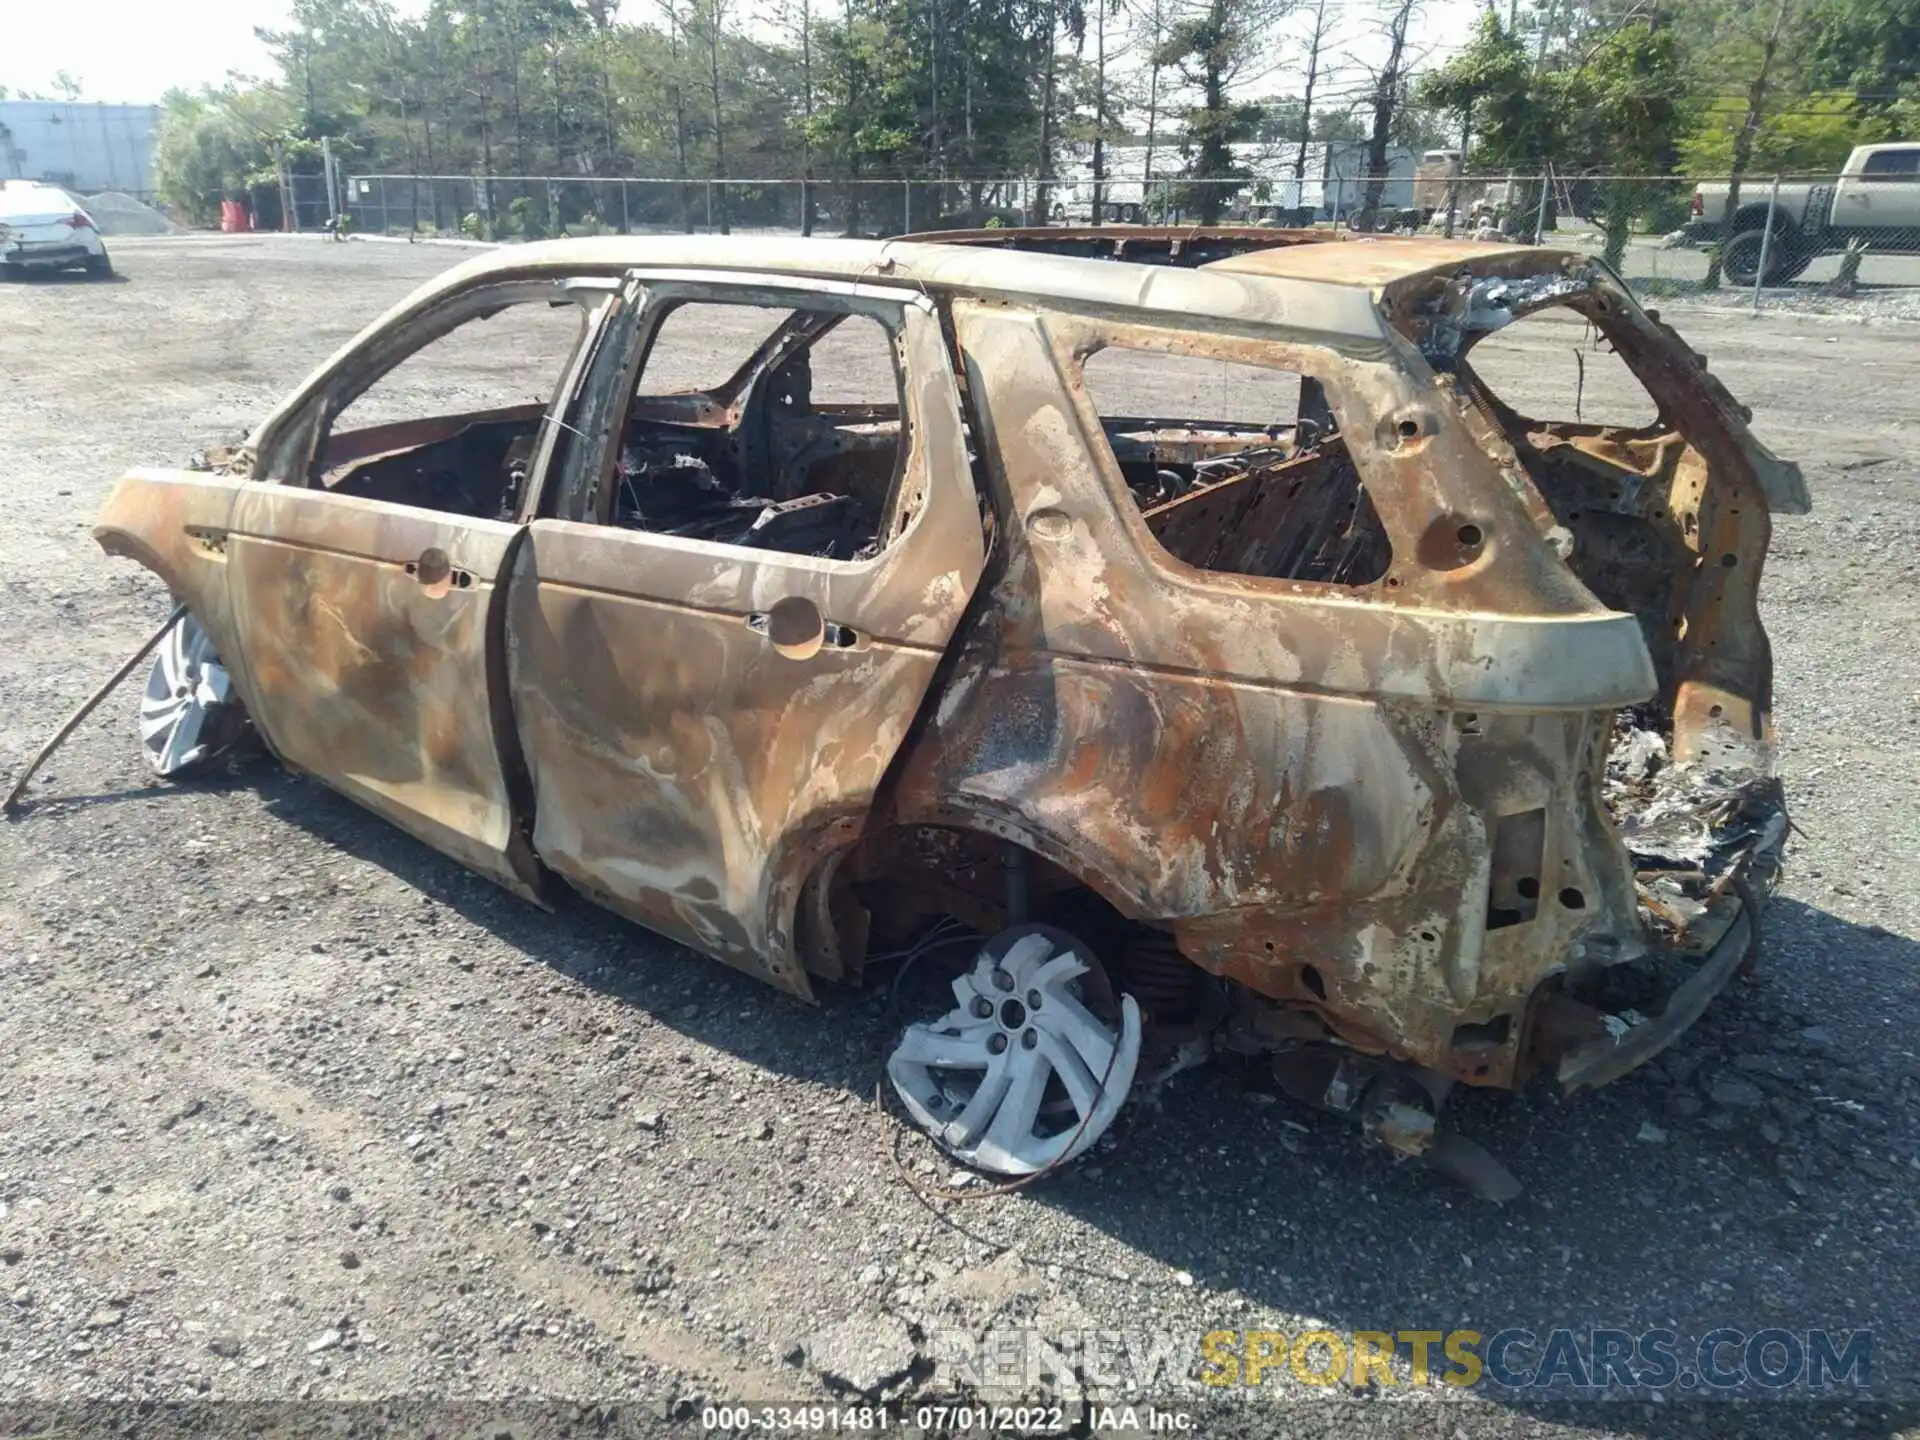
[[1153, 106], [806, 133], [1099, 110], [938, 146], [671, 9], [1314, 44], [288, 219], [1042, 188], [716, 19], [852, 106], [327, 176]]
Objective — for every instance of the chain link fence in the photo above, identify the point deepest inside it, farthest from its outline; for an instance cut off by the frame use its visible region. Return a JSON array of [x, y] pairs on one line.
[[1771, 242], [526, 207], [537, 207], [1767, 242]]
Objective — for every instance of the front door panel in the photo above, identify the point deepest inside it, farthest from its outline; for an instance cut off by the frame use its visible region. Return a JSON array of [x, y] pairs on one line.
[[703, 723], [365, 629]]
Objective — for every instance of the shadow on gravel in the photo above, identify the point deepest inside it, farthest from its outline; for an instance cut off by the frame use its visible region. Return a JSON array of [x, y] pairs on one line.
[[235, 771], [157, 793], [1754, 1176], [15, 276]]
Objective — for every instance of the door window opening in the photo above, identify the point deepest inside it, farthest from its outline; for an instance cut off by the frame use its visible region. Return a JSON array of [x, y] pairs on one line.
[[798, 448], [453, 426]]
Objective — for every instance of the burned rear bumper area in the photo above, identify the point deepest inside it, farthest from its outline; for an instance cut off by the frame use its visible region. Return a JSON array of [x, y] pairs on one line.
[[1706, 842], [1628, 1043]]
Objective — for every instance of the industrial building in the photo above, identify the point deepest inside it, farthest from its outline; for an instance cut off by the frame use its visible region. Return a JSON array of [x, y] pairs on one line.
[[83, 146]]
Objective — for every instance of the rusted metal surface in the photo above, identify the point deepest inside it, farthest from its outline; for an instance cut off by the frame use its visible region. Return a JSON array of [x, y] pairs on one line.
[[705, 724], [175, 522], [1137, 244], [365, 627], [1341, 725], [1298, 781]]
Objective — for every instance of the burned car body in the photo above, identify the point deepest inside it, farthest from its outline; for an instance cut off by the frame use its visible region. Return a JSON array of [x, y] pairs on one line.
[[1377, 738]]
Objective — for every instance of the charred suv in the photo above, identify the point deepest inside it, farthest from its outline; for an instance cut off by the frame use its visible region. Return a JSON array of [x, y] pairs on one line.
[[1378, 734]]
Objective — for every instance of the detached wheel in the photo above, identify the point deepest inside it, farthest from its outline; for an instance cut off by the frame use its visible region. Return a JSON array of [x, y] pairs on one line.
[[1022, 1074], [189, 716]]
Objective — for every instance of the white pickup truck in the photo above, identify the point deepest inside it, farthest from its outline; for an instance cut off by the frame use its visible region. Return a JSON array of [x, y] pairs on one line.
[[1876, 197]]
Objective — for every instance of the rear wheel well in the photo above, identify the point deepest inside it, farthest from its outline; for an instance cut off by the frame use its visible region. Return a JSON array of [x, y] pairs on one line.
[[898, 881], [1752, 217]]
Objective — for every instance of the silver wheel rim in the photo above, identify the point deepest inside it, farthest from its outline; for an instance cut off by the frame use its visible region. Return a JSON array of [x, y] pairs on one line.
[[186, 689], [1019, 1075]]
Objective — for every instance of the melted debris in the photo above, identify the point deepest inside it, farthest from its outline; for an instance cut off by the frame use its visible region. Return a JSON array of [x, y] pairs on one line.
[[234, 459], [669, 492], [1693, 830], [1473, 306]]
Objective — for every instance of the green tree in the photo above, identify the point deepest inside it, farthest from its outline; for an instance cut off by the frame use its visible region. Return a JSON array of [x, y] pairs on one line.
[[1209, 51], [1608, 102], [1488, 85], [1870, 49], [1625, 119], [1753, 45], [227, 144], [565, 90]]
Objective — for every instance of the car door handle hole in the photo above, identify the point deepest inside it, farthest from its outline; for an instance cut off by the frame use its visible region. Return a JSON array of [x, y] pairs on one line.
[[794, 627], [437, 574]]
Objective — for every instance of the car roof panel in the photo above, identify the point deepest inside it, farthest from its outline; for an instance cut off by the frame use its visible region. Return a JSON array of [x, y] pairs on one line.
[[1307, 312]]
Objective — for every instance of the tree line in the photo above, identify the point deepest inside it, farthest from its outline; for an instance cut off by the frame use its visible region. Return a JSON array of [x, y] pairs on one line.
[[950, 98]]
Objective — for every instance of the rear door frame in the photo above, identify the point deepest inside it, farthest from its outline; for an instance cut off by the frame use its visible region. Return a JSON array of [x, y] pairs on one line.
[[726, 760]]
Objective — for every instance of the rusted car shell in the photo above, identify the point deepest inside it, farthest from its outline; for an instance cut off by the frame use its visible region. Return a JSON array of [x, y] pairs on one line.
[[697, 747], [1310, 788]]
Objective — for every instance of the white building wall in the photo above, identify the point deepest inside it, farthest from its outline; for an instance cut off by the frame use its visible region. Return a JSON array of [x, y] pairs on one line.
[[84, 146]]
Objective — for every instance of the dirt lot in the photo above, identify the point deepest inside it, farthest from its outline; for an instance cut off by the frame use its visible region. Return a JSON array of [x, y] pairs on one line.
[[291, 1107]]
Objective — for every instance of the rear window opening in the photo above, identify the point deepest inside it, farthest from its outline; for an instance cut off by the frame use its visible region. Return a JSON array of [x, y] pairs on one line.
[[1553, 364], [1590, 436], [1237, 468]]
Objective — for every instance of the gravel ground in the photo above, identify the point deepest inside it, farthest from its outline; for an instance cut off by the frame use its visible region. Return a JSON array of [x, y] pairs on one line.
[[291, 1108]]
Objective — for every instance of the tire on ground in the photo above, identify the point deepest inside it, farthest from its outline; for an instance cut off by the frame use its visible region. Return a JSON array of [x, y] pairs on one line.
[[1787, 257]]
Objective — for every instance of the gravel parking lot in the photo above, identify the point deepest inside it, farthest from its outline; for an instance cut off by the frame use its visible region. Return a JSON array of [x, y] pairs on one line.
[[291, 1107]]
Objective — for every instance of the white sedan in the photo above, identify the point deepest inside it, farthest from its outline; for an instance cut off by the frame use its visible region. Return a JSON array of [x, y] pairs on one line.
[[42, 227]]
